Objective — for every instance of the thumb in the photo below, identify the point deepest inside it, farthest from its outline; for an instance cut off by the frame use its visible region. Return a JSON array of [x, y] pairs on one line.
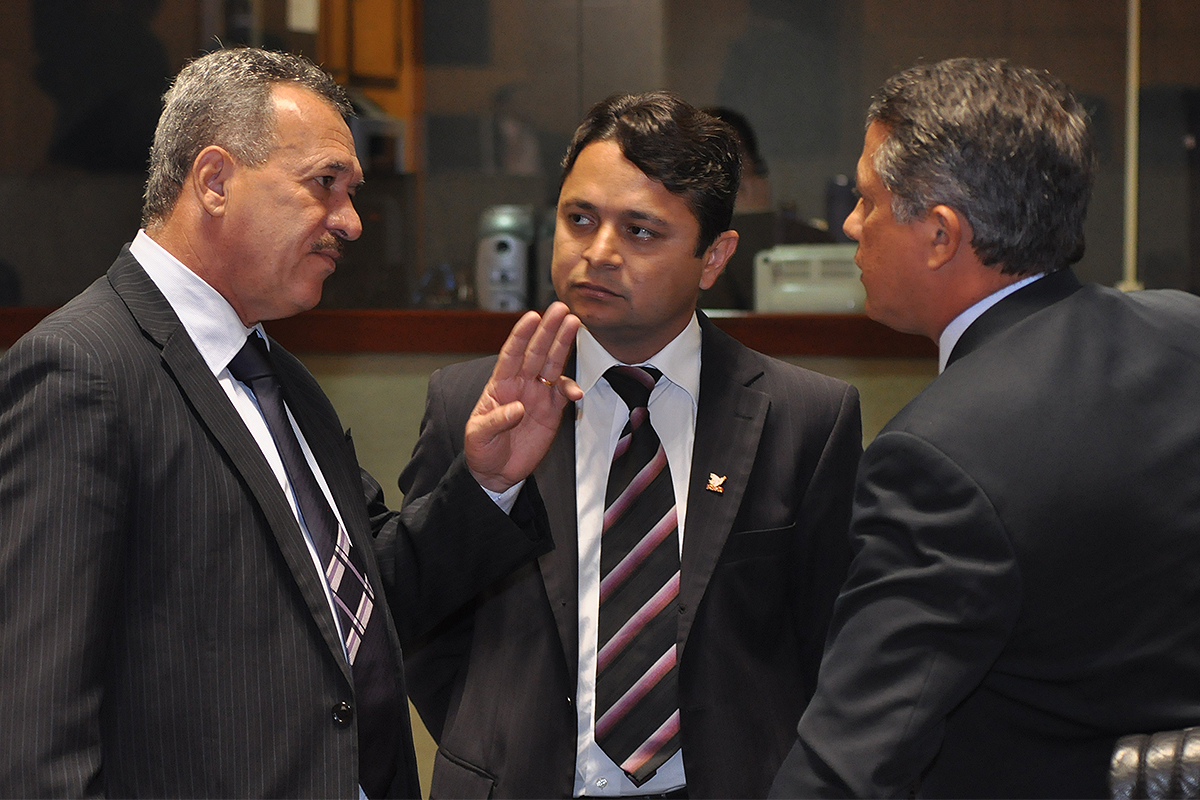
[[488, 426]]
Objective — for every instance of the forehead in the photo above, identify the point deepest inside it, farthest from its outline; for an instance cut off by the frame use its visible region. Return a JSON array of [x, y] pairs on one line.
[[603, 176], [875, 136], [307, 123]]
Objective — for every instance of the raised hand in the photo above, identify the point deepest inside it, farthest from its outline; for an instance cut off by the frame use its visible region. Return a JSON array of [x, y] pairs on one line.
[[518, 413]]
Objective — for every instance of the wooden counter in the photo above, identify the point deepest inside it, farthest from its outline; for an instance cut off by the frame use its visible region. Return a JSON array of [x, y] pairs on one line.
[[408, 331]]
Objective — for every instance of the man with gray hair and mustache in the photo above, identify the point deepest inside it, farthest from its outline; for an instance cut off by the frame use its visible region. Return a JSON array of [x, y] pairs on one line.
[[201, 593], [1025, 589]]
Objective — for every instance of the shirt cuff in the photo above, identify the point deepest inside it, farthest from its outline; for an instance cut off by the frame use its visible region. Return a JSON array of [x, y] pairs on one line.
[[506, 499]]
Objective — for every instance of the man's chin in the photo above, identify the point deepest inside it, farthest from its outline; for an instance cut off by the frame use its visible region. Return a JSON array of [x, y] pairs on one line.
[[299, 304], [893, 321], [592, 317], [879, 315]]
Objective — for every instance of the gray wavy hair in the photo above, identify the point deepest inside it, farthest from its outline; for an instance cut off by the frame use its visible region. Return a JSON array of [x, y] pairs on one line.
[[224, 99], [1006, 146]]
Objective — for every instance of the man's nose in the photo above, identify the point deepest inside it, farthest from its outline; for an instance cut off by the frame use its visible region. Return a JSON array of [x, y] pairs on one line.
[[344, 221], [602, 250], [853, 224]]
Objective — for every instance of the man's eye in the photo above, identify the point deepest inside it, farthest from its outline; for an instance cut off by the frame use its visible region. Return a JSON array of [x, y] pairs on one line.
[[638, 232], [326, 180]]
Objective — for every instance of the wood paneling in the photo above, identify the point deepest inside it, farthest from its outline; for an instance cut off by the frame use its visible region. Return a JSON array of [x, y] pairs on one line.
[[401, 331]]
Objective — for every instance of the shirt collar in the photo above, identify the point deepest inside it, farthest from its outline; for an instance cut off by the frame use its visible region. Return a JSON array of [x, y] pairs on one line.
[[959, 324], [210, 321], [679, 361]]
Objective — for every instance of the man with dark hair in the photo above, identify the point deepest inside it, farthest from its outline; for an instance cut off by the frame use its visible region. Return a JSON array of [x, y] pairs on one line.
[[195, 575], [1027, 530], [698, 497]]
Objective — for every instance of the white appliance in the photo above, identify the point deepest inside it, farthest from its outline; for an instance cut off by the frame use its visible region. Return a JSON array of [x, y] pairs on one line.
[[503, 258], [812, 278]]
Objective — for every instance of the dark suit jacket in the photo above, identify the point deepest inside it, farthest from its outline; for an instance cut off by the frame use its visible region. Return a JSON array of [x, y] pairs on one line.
[[163, 631], [1027, 583], [761, 565]]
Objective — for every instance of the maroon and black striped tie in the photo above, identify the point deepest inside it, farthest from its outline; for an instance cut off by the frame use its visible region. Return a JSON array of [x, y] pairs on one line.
[[637, 695]]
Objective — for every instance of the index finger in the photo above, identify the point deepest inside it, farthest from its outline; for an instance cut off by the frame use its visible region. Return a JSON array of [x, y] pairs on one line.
[[560, 348], [512, 352], [553, 335]]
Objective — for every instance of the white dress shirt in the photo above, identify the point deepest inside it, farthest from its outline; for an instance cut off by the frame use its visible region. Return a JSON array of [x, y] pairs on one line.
[[600, 416], [218, 333]]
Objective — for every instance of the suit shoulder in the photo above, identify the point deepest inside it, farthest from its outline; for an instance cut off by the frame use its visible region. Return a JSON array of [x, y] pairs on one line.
[[809, 378], [466, 373], [463, 380], [1079, 340], [726, 350], [454, 389], [1172, 313], [799, 398], [94, 323], [779, 375]]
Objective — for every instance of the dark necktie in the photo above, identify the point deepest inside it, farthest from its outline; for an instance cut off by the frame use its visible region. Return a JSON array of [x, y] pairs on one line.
[[372, 662], [637, 695]]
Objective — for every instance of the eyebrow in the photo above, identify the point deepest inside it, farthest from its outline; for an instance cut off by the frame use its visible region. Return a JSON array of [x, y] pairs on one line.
[[644, 217], [343, 167], [633, 213]]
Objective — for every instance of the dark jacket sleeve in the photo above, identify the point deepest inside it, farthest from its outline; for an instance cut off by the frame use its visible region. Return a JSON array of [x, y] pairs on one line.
[[450, 539], [64, 483], [932, 596], [437, 486], [825, 516]]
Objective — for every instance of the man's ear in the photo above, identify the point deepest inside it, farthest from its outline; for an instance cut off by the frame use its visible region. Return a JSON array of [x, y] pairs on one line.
[[210, 175], [947, 231], [717, 256]]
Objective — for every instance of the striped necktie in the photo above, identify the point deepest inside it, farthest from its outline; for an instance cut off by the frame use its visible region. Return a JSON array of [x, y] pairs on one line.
[[637, 695], [372, 662]]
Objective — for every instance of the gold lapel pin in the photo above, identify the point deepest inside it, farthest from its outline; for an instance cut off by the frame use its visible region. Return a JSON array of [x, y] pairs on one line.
[[716, 483]]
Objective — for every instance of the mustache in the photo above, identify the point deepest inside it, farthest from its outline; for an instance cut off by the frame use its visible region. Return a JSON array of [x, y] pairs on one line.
[[329, 245]]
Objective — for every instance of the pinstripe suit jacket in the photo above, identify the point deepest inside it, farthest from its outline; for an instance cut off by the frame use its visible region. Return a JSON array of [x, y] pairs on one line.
[[162, 629]]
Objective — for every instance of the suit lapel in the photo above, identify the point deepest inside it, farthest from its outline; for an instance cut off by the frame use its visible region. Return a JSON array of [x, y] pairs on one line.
[[185, 364], [729, 423], [560, 567]]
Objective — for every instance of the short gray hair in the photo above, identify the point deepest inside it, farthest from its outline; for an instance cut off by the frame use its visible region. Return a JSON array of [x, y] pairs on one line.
[[224, 99], [1006, 146]]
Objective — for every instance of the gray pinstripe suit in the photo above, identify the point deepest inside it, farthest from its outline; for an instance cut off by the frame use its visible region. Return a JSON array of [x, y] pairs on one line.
[[162, 629]]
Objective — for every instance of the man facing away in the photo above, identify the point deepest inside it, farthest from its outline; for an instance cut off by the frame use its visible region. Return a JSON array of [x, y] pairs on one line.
[[1026, 585], [669, 642], [201, 594]]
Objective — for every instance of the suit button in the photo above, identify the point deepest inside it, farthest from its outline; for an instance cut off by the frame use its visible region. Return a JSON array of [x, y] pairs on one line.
[[343, 714]]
